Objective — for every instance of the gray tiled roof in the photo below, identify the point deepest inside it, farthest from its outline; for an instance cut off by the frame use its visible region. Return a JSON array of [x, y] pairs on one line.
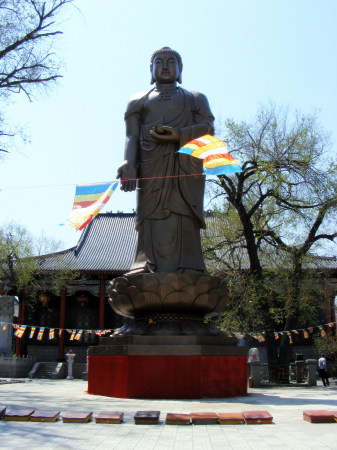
[[108, 245]]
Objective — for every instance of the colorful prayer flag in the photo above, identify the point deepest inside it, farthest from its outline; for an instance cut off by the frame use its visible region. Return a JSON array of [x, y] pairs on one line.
[[20, 331], [213, 152], [72, 335], [290, 338], [88, 202], [4, 326], [40, 334], [51, 333], [32, 331], [305, 334], [323, 333], [79, 335]]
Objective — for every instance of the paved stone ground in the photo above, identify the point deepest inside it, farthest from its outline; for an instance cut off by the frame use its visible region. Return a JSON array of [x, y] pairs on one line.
[[286, 405]]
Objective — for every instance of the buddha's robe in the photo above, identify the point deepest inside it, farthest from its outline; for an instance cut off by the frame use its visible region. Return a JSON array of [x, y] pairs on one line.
[[169, 198]]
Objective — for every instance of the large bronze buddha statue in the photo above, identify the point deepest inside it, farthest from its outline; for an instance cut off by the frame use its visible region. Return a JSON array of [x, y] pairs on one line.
[[170, 188], [167, 290]]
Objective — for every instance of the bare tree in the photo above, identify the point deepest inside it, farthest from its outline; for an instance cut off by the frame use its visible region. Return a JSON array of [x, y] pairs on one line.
[[276, 212], [27, 32]]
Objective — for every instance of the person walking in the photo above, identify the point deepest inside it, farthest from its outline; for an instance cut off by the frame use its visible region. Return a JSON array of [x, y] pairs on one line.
[[322, 370]]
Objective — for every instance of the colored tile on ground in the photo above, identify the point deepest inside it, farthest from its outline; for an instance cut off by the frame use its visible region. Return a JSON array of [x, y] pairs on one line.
[[231, 418], [45, 416], [77, 417], [178, 419], [109, 417], [146, 417], [21, 415], [204, 418], [257, 417], [318, 416]]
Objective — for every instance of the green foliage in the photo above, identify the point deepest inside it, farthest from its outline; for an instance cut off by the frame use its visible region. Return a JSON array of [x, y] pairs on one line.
[[17, 264], [327, 346]]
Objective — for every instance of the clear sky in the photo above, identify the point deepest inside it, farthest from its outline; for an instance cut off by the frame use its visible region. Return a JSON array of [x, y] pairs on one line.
[[240, 53]]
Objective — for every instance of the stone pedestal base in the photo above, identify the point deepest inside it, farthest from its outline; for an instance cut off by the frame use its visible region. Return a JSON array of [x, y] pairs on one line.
[[167, 367], [168, 303]]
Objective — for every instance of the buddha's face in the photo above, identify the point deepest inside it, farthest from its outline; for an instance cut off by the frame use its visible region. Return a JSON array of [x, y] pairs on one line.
[[165, 68]]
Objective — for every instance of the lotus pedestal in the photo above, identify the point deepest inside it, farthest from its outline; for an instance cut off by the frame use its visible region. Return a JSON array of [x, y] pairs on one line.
[[169, 348]]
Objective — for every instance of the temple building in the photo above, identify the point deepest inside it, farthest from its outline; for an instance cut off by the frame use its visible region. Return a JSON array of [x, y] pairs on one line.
[[70, 303], [104, 251]]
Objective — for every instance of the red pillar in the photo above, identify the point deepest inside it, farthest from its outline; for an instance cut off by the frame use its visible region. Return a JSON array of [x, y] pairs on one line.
[[21, 320], [101, 309], [62, 322]]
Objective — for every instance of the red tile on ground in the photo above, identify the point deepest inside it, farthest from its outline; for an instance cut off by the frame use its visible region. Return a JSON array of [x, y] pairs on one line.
[[204, 418], [318, 416], [21, 415], [109, 417], [231, 418], [178, 419], [257, 417], [77, 417], [45, 416], [146, 417]]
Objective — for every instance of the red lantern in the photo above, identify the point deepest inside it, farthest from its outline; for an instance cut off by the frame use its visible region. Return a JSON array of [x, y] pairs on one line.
[[44, 299], [82, 298]]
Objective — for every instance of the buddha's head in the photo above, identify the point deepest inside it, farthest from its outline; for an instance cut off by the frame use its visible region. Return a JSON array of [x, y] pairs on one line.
[[166, 66]]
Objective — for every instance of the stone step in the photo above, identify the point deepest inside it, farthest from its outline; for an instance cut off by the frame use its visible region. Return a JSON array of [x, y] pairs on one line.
[[46, 370]]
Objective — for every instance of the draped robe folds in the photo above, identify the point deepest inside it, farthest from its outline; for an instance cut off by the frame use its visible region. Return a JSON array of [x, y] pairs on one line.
[[169, 198]]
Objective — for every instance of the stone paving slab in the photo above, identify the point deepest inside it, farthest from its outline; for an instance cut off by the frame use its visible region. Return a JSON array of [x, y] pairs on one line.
[[285, 404]]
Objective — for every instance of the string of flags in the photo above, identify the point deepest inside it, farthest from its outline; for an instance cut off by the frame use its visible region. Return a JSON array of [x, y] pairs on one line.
[[90, 199], [76, 334]]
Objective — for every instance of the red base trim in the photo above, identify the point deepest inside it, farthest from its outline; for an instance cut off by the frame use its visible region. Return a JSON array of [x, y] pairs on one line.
[[167, 376]]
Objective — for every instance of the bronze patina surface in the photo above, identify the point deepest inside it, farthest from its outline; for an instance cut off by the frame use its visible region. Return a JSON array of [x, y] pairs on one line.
[[168, 284], [170, 187]]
